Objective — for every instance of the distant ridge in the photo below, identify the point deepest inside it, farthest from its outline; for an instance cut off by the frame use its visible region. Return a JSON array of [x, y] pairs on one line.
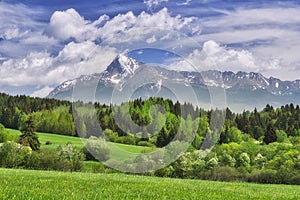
[[243, 90]]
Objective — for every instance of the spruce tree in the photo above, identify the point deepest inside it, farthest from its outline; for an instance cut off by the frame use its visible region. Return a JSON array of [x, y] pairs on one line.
[[270, 135], [28, 137]]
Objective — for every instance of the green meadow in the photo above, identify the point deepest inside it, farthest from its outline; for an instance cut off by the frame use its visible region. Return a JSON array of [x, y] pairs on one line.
[[118, 151], [27, 184]]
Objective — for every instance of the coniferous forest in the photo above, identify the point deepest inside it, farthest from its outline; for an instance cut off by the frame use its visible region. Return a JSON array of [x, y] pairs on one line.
[[256, 146]]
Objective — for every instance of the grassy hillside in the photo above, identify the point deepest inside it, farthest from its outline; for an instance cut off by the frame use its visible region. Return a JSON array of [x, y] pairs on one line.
[[25, 184], [117, 150]]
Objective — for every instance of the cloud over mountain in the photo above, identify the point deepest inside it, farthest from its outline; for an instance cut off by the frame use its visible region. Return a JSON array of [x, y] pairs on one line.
[[40, 47]]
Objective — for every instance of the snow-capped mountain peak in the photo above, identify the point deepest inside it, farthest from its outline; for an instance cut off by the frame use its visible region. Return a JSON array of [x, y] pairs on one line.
[[121, 68], [122, 65], [242, 88], [128, 64]]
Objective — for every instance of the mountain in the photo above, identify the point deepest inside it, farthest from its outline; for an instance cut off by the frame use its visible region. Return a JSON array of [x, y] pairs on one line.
[[126, 79]]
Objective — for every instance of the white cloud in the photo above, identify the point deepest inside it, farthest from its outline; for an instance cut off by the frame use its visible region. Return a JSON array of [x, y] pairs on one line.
[[18, 18], [13, 33], [185, 3], [140, 52], [151, 4], [270, 34], [21, 31], [130, 28], [69, 24], [151, 40], [66, 25], [258, 16], [213, 56], [42, 92], [40, 68]]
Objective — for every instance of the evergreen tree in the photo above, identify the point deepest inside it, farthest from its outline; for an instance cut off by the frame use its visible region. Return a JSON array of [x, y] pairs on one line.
[[28, 137], [270, 135]]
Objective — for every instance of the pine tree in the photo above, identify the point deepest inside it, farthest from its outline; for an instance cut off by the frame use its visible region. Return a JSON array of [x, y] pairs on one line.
[[28, 137], [270, 135]]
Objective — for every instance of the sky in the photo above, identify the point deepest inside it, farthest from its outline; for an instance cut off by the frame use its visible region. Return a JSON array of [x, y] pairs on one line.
[[44, 43]]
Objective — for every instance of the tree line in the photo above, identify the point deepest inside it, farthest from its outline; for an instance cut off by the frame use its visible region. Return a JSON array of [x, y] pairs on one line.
[[136, 122], [256, 146]]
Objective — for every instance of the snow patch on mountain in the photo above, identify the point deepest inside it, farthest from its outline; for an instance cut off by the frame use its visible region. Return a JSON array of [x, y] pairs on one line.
[[123, 68]]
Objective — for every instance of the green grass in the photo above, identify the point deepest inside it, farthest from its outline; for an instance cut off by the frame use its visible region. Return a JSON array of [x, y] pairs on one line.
[[118, 151], [26, 184], [55, 139]]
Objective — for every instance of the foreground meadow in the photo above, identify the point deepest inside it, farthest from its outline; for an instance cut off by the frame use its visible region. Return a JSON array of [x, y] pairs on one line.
[[26, 184]]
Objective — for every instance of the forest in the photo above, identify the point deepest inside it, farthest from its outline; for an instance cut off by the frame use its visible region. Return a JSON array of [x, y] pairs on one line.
[[255, 146]]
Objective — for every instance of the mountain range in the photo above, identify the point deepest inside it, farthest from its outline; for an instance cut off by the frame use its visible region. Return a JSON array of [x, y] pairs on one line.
[[126, 79]]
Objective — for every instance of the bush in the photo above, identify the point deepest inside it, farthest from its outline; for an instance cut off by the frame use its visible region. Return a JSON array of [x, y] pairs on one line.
[[126, 140], [98, 168], [111, 135], [96, 149], [74, 157], [3, 134], [226, 173], [211, 163], [295, 180], [243, 160], [13, 155], [264, 176], [164, 172], [145, 143]]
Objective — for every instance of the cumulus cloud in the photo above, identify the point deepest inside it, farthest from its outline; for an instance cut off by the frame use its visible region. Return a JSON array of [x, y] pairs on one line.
[[69, 24], [129, 28], [151, 4], [40, 68], [43, 92], [214, 56], [270, 34]]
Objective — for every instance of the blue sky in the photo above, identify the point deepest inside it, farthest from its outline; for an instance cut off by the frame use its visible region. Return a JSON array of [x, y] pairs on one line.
[[43, 43]]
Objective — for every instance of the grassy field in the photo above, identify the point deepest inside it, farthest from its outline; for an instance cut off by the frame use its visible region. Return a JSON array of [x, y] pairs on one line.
[[118, 151], [26, 184]]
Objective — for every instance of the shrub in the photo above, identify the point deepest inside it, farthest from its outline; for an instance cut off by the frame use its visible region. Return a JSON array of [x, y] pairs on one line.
[[98, 168], [74, 157], [243, 160], [164, 172], [13, 155], [145, 143], [227, 160], [295, 180], [111, 135], [264, 176], [3, 134], [226, 173], [126, 140], [213, 162], [259, 161], [96, 149]]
